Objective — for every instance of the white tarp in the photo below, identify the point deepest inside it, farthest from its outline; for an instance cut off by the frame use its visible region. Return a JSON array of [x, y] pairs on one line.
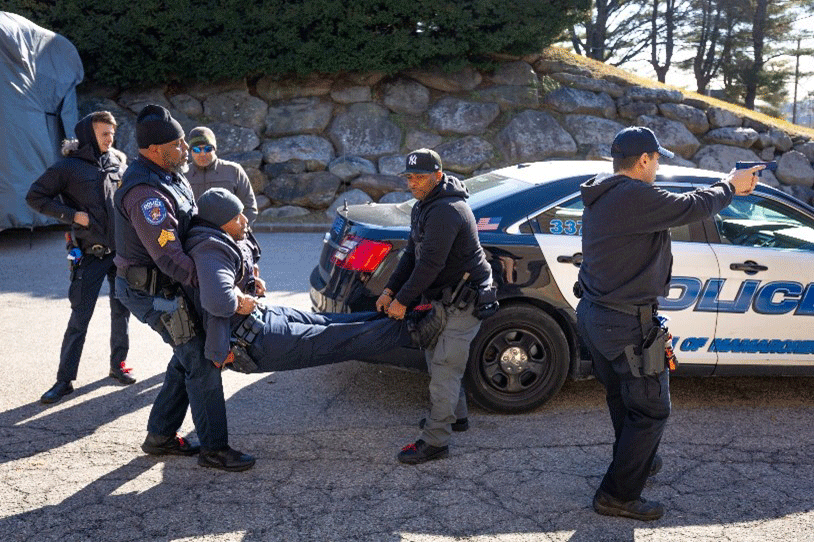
[[39, 71]]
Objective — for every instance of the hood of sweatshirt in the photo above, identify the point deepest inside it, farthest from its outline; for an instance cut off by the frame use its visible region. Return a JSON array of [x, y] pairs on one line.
[[595, 188], [86, 136], [447, 188], [85, 146], [201, 231]]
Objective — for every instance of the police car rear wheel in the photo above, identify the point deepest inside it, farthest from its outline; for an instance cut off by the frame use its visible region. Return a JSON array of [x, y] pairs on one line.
[[518, 360]]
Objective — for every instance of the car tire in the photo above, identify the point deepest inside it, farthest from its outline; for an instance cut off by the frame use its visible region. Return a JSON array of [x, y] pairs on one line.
[[518, 360]]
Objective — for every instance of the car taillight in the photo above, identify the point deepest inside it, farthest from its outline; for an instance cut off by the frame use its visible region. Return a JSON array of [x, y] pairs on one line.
[[357, 254]]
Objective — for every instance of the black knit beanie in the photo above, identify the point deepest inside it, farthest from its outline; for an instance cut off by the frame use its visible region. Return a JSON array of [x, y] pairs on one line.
[[155, 126]]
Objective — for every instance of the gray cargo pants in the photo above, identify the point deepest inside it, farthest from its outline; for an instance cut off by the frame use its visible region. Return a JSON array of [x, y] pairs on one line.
[[446, 364]]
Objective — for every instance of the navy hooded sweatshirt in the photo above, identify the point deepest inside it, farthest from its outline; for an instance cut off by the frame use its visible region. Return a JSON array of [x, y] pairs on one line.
[[221, 263], [626, 253], [443, 245]]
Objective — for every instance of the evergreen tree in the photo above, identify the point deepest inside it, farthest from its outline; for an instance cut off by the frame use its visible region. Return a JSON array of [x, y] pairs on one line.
[[159, 41]]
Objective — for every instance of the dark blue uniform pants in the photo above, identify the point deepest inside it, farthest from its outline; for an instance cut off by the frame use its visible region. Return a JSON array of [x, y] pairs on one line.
[[639, 407], [293, 339], [190, 381], [86, 281]]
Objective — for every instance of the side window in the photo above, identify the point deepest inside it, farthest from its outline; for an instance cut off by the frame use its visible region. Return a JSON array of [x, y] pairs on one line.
[[755, 221], [562, 219], [566, 218]]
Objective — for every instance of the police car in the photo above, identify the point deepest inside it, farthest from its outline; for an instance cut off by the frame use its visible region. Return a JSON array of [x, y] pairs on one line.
[[741, 300]]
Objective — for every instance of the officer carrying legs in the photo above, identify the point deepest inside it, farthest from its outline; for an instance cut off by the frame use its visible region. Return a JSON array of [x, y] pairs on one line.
[[442, 262]]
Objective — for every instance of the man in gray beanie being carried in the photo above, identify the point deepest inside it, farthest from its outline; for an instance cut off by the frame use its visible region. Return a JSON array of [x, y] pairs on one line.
[[154, 209], [247, 336]]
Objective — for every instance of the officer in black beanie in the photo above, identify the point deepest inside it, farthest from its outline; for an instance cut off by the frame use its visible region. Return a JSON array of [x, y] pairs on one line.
[[154, 207]]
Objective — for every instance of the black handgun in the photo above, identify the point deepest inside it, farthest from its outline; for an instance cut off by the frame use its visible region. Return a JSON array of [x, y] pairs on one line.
[[771, 166]]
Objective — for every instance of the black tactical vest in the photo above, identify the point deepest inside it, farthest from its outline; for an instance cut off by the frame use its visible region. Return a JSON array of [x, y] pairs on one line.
[[174, 186]]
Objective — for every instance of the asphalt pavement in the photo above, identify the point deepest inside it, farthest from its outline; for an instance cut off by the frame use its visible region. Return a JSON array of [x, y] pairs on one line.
[[738, 452]]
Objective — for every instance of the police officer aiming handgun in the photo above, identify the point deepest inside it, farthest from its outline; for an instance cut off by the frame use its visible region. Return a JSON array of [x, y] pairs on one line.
[[626, 266]]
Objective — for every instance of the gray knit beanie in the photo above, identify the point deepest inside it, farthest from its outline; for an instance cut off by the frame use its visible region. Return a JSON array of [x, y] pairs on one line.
[[219, 206], [201, 135]]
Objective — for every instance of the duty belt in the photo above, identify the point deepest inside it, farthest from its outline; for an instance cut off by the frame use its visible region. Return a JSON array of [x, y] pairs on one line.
[[649, 357], [145, 279], [643, 312]]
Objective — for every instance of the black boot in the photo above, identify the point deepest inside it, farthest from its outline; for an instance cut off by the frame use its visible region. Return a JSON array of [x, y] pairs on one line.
[[227, 459], [175, 445], [421, 452], [640, 509], [57, 391], [122, 373]]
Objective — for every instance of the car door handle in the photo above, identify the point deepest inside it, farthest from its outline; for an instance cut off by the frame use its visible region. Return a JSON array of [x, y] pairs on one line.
[[575, 259], [749, 267]]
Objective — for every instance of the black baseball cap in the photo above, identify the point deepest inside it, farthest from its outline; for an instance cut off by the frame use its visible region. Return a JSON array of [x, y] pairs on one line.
[[635, 141], [423, 161]]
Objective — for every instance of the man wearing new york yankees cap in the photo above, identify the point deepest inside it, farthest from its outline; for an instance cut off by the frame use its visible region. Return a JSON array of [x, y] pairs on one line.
[[443, 261], [155, 278], [626, 266]]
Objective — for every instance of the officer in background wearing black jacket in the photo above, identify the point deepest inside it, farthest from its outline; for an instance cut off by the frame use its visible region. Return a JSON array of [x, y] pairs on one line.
[[78, 190], [154, 208], [626, 266], [443, 260]]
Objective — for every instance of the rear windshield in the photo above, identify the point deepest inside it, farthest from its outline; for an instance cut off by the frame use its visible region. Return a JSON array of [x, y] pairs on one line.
[[483, 189]]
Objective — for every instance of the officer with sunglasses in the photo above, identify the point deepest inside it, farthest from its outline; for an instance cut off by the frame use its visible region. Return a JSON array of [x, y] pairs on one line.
[[208, 171]]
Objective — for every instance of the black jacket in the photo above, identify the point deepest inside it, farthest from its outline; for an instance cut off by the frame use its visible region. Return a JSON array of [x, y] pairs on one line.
[[626, 249], [85, 180], [443, 245]]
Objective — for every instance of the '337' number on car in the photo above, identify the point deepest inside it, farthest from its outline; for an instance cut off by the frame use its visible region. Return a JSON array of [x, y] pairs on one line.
[[565, 227]]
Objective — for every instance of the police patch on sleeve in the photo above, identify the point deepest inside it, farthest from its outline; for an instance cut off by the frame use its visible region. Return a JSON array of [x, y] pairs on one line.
[[165, 237], [154, 211]]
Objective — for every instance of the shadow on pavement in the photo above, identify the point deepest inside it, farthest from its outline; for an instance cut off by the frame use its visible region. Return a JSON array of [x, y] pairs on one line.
[[31, 429], [325, 472]]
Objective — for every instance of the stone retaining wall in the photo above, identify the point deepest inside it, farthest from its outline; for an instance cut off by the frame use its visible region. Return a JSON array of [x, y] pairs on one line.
[[310, 145]]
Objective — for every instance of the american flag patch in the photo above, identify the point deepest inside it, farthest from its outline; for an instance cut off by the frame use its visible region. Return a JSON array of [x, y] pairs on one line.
[[488, 223]]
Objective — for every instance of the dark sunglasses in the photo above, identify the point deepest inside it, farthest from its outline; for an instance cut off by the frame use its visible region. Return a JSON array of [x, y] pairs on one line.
[[205, 148]]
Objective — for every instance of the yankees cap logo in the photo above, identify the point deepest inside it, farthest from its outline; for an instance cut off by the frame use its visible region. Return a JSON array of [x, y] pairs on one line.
[[423, 161]]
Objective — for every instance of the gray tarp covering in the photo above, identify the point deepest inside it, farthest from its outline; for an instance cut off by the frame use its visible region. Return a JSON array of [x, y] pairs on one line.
[[39, 71]]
